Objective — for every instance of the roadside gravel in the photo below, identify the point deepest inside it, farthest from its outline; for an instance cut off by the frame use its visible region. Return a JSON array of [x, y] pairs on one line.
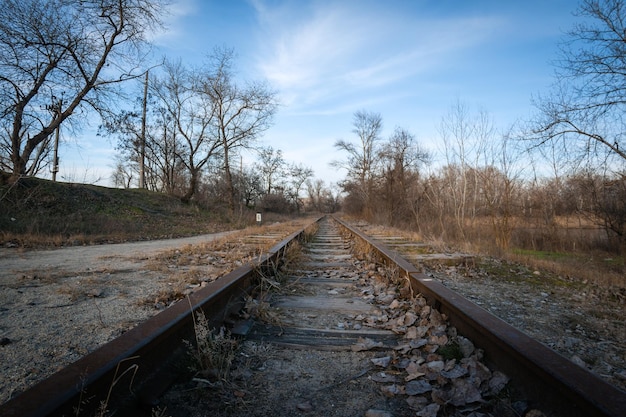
[[582, 321]]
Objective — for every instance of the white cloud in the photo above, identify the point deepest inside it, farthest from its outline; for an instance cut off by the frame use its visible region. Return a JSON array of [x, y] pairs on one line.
[[297, 55], [339, 49], [173, 22]]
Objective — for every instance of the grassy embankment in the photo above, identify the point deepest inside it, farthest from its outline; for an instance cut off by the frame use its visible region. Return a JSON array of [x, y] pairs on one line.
[[41, 213]]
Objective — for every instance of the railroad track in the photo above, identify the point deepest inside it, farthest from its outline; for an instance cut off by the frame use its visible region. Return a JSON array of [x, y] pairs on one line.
[[345, 336]]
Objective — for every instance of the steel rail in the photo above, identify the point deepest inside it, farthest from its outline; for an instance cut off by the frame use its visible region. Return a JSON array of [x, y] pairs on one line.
[[550, 381], [128, 373]]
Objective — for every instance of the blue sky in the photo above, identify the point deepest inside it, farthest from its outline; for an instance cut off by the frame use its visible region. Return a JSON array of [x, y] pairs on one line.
[[408, 60]]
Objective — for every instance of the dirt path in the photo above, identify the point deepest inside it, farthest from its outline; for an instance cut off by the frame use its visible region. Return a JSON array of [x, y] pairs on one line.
[[58, 305], [14, 262]]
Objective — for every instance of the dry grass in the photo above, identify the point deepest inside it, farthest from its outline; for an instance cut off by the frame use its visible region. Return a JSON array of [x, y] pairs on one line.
[[574, 268], [177, 287], [245, 244], [363, 250], [102, 409], [74, 292], [598, 268], [214, 351], [260, 309], [35, 240], [192, 265], [275, 278]]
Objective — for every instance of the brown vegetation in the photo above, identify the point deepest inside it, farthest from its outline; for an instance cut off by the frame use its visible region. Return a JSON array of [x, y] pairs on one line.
[[485, 201]]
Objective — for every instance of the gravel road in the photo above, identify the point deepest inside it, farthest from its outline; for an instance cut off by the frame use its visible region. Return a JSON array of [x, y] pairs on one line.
[[58, 305], [14, 262]]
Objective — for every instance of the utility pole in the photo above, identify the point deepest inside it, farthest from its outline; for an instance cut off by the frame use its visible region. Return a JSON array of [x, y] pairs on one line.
[[142, 150], [55, 167], [55, 108]]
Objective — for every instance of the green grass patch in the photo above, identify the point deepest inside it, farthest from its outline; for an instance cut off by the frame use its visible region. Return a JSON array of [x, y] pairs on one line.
[[451, 351], [544, 255]]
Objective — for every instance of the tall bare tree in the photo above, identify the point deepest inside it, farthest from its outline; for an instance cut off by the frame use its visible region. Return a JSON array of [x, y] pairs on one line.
[[465, 136], [157, 134], [194, 114], [586, 108], [65, 54], [401, 156], [242, 113], [271, 165], [298, 174], [500, 184], [583, 115], [363, 157]]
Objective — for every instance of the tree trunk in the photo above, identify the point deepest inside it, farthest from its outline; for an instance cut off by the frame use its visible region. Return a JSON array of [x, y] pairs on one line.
[[193, 184], [230, 187]]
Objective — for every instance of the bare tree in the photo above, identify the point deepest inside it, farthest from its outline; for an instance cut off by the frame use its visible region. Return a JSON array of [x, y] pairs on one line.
[[193, 113], [401, 157], [321, 197], [242, 114], [298, 174], [271, 164], [434, 192], [315, 190], [363, 157], [250, 187], [123, 173], [465, 136], [69, 55], [162, 153], [500, 184], [586, 108], [417, 201], [582, 117]]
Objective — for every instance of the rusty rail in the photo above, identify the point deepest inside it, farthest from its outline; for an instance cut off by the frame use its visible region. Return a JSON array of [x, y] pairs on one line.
[[547, 379], [128, 373]]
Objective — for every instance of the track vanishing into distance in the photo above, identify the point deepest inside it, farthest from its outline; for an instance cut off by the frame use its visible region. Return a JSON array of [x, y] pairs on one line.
[[333, 334]]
